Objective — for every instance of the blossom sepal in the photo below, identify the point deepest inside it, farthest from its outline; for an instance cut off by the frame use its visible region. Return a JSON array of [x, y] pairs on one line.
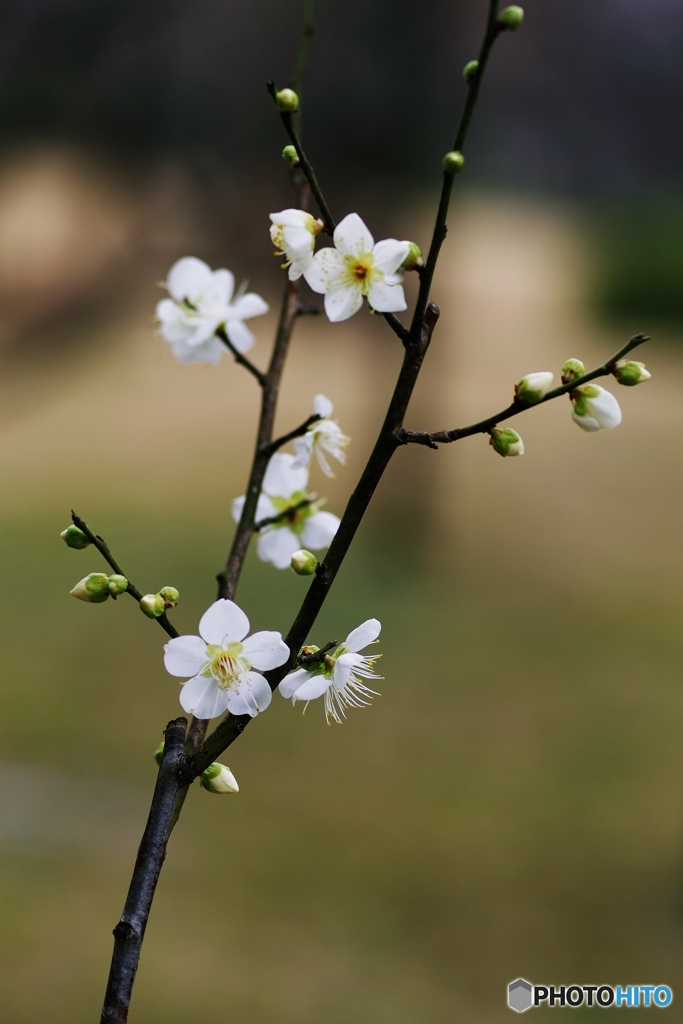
[[414, 257], [217, 778], [506, 442], [93, 588], [534, 387], [629, 372], [304, 563], [572, 370], [74, 537]]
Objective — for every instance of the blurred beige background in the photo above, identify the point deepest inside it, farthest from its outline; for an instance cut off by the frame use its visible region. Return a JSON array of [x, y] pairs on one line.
[[511, 805]]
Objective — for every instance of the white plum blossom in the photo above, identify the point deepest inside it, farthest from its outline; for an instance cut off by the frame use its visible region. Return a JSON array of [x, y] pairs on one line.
[[284, 488], [358, 267], [338, 676], [595, 408], [293, 232], [220, 663], [202, 301], [325, 435]]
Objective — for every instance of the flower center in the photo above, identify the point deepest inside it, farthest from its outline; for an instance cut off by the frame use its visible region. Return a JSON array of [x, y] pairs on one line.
[[226, 664], [361, 271], [293, 511]]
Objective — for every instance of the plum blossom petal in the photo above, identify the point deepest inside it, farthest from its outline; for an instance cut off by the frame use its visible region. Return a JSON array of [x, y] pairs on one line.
[[389, 254], [342, 303], [363, 635], [248, 306], [277, 546], [312, 688], [264, 508], [291, 683], [323, 436], [327, 266], [201, 697], [185, 656], [265, 650], [322, 406], [223, 622], [352, 237], [386, 298], [240, 335], [283, 478], [319, 531]]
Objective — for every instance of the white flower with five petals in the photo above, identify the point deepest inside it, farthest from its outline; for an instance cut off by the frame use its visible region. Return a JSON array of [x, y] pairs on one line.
[[325, 435], [201, 301], [595, 408], [221, 663], [338, 676], [358, 267], [293, 232], [302, 525]]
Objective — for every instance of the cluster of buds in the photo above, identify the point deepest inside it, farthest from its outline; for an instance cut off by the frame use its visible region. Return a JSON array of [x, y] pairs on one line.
[[156, 605], [98, 587]]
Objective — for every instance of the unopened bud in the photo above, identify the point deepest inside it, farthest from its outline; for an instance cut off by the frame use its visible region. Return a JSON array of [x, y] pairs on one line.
[[506, 442], [92, 588], [290, 156], [572, 370], [219, 779], [304, 562], [510, 18], [74, 537], [469, 72], [159, 752], [287, 101], [152, 605], [117, 584], [534, 386], [453, 162], [629, 372], [170, 596], [414, 257]]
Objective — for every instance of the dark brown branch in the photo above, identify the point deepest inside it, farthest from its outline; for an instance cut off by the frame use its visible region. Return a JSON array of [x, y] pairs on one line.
[[299, 431], [281, 517], [314, 657], [131, 589], [130, 931], [239, 358], [435, 438], [385, 446]]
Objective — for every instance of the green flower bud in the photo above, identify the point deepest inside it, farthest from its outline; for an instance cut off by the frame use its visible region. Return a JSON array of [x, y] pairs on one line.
[[630, 373], [152, 605], [510, 18], [414, 257], [470, 70], [159, 752], [117, 584], [93, 588], [304, 562], [572, 370], [73, 537], [453, 162], [506, 442], [534, 386], [219, 779], [287, 101], [290, 156], [170, 596]]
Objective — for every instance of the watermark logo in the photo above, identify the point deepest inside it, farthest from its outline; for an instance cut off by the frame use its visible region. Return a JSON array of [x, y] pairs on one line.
[[522, 995]]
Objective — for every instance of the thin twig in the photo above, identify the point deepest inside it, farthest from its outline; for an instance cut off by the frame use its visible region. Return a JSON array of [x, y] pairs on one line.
[[131, 589], [434, 438], [239, 358], [282, 517], [315, 656], [440, 227], [279, 442], [307, 31]]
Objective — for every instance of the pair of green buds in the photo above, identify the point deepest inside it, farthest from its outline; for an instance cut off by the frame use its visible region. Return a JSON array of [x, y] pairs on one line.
[[156, 605]]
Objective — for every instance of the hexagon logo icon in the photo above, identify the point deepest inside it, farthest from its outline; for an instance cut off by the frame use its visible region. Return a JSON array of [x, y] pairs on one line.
[[520, 995]]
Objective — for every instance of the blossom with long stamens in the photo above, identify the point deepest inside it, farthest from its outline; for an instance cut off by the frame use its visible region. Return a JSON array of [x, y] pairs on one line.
[[202, 300], [299, 521], [221, 664], [338, 675], [325, 435], [293, 232], [357, 268]]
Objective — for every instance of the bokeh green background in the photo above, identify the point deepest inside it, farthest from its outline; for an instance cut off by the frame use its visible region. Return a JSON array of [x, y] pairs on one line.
[[513, 802]]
